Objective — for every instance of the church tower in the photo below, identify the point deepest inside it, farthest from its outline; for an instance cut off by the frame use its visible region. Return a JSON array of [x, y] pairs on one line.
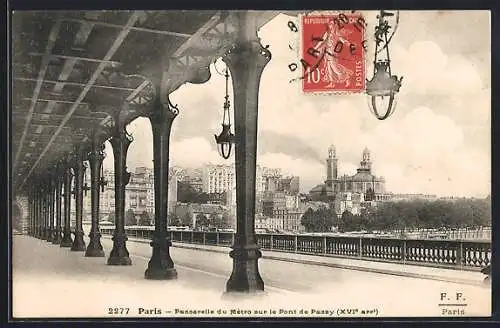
[[365, 164], [331, 166]]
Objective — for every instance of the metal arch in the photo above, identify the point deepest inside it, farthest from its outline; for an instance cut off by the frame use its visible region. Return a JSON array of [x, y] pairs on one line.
[[116, 44], [135, 97], [213, 21]]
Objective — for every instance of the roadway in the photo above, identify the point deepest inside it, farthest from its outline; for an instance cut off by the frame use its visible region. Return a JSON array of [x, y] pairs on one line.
[[53, 281]]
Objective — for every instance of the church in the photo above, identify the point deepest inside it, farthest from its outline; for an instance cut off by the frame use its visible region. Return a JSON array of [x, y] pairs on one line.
[[363, 183]]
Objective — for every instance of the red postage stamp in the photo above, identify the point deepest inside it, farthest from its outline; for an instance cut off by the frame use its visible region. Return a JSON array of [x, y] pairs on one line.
[[333, 53]]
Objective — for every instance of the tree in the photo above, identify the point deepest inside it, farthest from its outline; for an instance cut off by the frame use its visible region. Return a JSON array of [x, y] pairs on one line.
[[145, 219], [227, 221], [186, 220], [186, 193], [202, 221], [413, 214], [345, 221], [111, 216], [130, 218], [222, 221], [307, 219], [403, 215], [320, 220], [173, 220]]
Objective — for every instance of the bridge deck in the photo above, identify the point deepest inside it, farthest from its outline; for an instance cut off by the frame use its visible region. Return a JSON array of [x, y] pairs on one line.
[[49, 281]]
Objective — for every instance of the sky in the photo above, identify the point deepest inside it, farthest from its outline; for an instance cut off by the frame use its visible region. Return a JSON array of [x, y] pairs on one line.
[[436, 142]]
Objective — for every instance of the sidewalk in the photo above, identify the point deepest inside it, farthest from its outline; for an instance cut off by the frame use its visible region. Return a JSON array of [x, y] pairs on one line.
[[50, 281], [396, 269]]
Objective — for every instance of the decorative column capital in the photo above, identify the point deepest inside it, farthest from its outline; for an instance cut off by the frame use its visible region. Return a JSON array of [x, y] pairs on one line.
[[67, 161], [97, 154], [121, 137], [247, 52], [200, 75], [163, 111]]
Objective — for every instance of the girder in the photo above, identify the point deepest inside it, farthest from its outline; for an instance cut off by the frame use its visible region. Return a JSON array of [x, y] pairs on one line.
[[68, 65], [118, 41], [66, 56], [140, 29], [79, 84], [41, 74]]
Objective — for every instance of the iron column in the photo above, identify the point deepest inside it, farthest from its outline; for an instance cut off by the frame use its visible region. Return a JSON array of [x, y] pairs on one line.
[[160, 265], [66, 239], [246, 61], [79, 169], [96, 156], [120, 141]]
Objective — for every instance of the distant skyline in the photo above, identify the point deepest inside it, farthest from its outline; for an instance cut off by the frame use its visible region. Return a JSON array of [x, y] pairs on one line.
[[436, 142]]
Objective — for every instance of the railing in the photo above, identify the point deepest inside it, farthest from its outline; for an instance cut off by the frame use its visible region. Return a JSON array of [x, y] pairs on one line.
[[454, 254]]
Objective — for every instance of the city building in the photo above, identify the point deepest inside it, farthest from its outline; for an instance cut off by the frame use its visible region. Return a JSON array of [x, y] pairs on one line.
[[139, 193], [354, 192], [290, 185], [221, 178], [218, 178], [282, 210], [352, 202], [362, 182]]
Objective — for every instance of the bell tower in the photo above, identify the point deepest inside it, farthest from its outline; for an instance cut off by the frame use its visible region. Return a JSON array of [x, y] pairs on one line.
[[331, 166], [365, 164]]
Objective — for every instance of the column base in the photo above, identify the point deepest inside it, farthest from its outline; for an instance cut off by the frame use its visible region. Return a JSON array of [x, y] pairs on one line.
[[95, 248], [50, 235], [119, 254], [43, 234], [245, 276], [237, 296], [66, 241], [78, 243], [57, 237], [161, 266]]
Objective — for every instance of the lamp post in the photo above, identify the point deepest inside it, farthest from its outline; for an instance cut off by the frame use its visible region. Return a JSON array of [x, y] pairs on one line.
[[383, 84], [226, 138]]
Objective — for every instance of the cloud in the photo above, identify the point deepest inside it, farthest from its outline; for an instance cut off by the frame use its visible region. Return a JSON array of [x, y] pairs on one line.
[[271, 142], [428, 70], [196, 151], [425, 152]]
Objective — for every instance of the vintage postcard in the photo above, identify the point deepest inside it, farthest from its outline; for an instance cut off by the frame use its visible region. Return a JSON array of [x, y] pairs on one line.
[[258, 164]]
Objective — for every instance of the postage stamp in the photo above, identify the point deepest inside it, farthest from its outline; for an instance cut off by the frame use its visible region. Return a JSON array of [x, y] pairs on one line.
[[332, 51]]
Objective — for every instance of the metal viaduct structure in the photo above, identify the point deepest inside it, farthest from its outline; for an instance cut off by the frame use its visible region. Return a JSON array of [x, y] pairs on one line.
[[78, 79]]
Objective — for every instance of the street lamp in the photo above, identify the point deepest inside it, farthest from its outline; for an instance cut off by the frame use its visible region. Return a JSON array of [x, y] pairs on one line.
[[383, 84], [85, 184], [102, 181], [226, 138]]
